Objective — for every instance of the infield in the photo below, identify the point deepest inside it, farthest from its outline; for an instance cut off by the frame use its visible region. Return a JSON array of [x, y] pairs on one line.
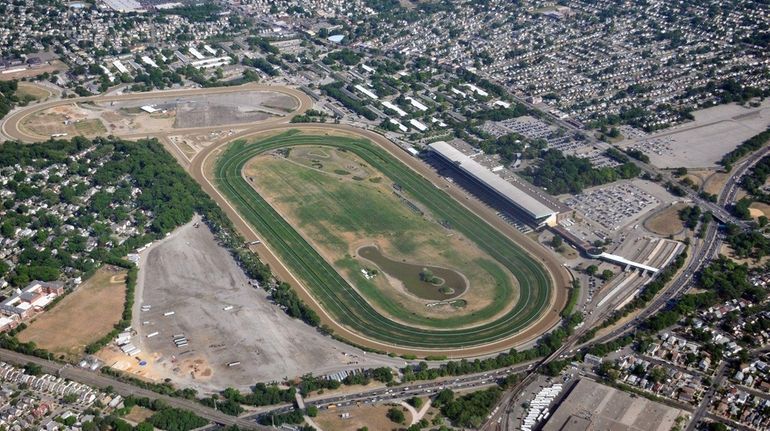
[[334, 204], [342, 302]]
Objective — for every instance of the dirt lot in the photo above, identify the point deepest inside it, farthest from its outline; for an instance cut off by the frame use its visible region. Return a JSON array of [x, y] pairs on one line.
[[666, 222], [52, 66], [758, 209], [82, 316], [715, 131], [372, 417], [224, 319]]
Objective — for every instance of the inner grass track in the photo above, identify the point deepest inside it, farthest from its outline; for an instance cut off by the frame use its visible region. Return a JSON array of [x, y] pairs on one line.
[[342, 301]]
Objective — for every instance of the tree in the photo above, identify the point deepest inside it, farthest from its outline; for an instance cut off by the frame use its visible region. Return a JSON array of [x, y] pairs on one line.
[[591, 270], [416, 402], [607, 274], [557, 242], [396, 415]]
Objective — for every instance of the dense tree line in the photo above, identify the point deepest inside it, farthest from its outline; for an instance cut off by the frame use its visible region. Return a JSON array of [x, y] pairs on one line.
[[559, 174], [499, 114], [751, 243], [261, 64], [201, 12], [333, 90], [690, 216], [172, 419], [345, 55], [8, 97], [263, 44], [512, 147], [468, 410]]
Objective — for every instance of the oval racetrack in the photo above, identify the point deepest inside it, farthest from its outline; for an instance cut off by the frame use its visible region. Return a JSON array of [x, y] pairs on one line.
[[340, 300]]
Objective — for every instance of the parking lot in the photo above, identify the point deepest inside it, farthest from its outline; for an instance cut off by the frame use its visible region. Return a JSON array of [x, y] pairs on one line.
[[613, 206]]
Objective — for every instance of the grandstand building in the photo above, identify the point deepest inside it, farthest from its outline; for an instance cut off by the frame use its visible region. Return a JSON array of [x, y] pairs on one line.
[[532, 210]]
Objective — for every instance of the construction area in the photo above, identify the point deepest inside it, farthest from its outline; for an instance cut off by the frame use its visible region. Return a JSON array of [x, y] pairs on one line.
[[156, 113], [200, 322]]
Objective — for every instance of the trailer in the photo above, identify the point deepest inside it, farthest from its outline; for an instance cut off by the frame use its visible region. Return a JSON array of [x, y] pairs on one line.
[[233, 364], [228, 308], [168, 313], [152, 334]]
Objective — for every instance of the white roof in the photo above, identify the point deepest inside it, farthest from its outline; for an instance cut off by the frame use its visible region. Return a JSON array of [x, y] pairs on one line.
[[515, 195]]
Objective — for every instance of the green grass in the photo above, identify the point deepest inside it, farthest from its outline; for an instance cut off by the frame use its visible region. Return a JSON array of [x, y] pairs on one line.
[[340, 299]]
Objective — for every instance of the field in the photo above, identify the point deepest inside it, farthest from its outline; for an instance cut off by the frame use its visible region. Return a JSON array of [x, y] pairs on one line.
[[342, 301], [339, 203], [32, 91], [666, 222], [82, 317], [373, 417]]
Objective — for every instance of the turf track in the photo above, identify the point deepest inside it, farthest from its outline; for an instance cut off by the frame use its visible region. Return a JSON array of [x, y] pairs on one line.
[[341, 300]]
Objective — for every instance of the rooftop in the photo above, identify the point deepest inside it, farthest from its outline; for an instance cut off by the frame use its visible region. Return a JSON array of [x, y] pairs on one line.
[[520, 198]]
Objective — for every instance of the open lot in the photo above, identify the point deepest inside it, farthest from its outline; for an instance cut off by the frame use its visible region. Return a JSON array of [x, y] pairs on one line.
[[591, 405], [189, 274], [82, 317], [666, 221], [339, 204], [701, 143], [334, 296], [32, 91], [371, 416], [125, 117]]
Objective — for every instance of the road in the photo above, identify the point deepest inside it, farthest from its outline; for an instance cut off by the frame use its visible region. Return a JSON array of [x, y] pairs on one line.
[[704, 404], [403, 391], [103, 381]]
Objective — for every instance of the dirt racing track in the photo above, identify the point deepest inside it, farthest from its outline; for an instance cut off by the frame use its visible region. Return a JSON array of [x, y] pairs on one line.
[[543, 282]]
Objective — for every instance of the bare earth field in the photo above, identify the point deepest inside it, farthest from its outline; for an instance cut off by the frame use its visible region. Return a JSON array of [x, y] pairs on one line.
[[190, 275], [714, 132], [372, 417], [758, 209], [666, 222], [127, 117], [50, 67], [82, 317]]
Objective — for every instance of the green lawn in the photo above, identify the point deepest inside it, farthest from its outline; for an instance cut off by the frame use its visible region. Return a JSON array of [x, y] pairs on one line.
[[332, 291], [328, 207]]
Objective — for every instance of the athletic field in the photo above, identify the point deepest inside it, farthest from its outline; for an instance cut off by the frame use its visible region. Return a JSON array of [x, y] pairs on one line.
[[342, 301]]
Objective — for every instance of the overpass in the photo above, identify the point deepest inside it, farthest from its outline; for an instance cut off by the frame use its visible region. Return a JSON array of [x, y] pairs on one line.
[[622, 261]]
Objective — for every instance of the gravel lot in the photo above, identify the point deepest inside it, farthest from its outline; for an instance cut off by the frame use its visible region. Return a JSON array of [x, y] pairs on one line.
[[190, 275], [703, 142]]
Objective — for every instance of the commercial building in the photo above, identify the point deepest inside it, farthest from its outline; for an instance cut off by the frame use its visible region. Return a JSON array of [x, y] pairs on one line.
[[533, 210], [33, 298]]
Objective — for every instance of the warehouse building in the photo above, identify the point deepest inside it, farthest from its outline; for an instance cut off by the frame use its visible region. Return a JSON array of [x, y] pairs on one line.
[[531, 210]]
